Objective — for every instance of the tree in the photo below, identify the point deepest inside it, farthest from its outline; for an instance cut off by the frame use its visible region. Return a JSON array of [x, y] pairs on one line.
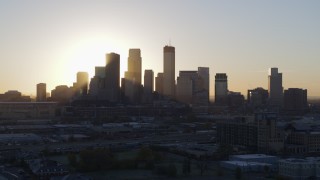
[[238, 173], [186, 168], [72, 158]]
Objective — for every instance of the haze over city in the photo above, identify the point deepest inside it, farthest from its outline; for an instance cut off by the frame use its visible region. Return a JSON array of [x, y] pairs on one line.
[[51, 41]]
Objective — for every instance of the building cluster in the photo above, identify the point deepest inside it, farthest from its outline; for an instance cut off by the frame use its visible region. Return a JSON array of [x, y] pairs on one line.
[[267, 133]]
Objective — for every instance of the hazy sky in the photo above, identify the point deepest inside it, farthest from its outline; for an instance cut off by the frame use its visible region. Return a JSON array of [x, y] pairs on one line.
[[49, 41]]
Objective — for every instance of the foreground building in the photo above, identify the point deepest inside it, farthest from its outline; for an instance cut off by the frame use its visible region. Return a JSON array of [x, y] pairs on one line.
[[27, 110], [300, 168]]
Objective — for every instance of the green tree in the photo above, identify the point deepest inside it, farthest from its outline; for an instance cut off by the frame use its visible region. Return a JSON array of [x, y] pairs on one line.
[[72, 158], [238, 174]]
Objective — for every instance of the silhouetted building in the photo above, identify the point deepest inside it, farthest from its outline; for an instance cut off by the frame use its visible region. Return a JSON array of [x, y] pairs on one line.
[[27, 110], [41, 92], [133, 76], [221, 89], [169, 71], [112, 77], [14, 96], [62, 94], [187, 85], [257, 97], [295, 101], [159, 83], [81, 86], [235, 99], [148, 85], [204, 74], [275, 88], [97, 83]]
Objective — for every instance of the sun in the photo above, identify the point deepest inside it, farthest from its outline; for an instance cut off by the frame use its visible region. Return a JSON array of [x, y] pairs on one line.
[[88, 53]]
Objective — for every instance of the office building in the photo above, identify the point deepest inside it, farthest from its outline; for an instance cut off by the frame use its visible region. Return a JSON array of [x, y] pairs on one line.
[[97, 83], [112, 77], [257, 97], [148, 85], [295, 101], [41, 92], [169, 71], [81, 86], [159, 83], [221, 88], [14, 96], [187, 84], [275, 87], [204, 74], [133, 76]]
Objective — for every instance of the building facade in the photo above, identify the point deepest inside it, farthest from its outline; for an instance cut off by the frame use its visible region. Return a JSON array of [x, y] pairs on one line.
[[169, 71], [275, 87], [41, 92], [112, 77], [221, 88]]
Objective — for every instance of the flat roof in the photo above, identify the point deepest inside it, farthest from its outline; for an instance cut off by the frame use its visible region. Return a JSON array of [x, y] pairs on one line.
[[252, 156]]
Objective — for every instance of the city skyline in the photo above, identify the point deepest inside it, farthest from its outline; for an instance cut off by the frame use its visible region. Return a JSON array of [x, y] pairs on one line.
[[242, 39]]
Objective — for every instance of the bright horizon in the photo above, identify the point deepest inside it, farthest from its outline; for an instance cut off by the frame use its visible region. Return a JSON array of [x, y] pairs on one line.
[[50, 41]]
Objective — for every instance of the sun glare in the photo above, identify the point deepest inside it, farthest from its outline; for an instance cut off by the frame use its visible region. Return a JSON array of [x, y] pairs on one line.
[[88, 53]]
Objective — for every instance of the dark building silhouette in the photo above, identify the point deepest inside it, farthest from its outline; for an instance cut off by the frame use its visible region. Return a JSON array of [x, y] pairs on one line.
[[81, 86], [112, 77], [159, 83], [221, 88], [148, 85], [275, 88], [133, 76], [41, 92], [169, 71], [235, 99], [14, 96], [295, 101], [62, 94], [97, 83], [257, 97]]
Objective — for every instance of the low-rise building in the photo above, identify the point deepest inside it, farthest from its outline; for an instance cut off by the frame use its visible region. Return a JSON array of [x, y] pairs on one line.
[[27, 110], [300, 168]]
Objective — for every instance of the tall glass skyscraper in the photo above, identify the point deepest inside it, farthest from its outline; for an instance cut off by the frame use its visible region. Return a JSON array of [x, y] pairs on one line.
[[275, 87], [169, 71]]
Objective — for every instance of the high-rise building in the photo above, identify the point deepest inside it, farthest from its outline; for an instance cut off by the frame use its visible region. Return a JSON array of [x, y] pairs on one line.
[[148, 85], [97, 82], [82, 83], [257, 97], [112, 77], [275, 87], [133, 76], [100, 71], [295, 101], [204, 74], [169, 71], [187, 85], [159, 83], [41, 92], [221, 88]]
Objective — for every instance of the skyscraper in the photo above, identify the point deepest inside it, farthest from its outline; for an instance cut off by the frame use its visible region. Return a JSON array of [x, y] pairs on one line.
[[221, 88], [187, 86], [169, 71], [112, 77], [159, 83], [133, 76], [204, 74], [275, 87], [148, 85], [41, 92], [82, 83]]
